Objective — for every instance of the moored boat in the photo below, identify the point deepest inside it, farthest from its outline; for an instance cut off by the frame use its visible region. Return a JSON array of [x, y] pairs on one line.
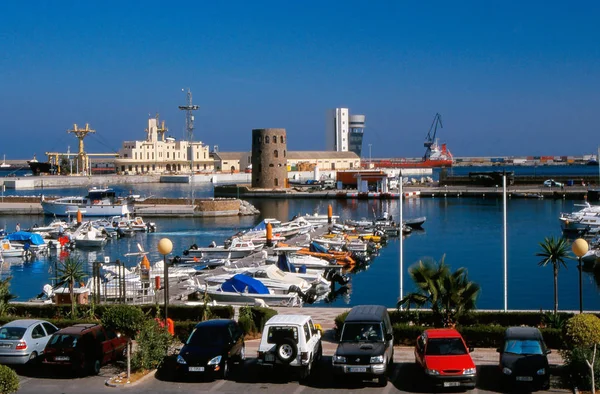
[[98, 202]]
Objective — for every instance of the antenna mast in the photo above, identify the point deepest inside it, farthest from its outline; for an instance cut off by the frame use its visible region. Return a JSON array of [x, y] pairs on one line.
[[189, 126]]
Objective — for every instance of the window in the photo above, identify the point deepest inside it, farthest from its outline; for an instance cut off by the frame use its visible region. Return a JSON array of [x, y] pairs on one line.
[[276, 182], [38, 332], [445, 346], [271, 165], [312, 327], [276, 334], [100, 336], [50, 329], [266, 139], [275, 153], [274, 139], [306, 332], [284, 153], [282, 139], [259, 139]]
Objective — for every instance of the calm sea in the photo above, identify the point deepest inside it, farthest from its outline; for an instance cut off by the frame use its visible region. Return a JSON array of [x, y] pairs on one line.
[[468, 232]]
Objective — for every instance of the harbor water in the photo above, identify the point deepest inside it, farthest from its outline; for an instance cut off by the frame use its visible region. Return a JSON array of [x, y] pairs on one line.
[[467, 231]]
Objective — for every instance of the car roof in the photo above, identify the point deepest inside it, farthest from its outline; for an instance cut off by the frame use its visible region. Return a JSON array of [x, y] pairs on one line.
[[366, 313], [214, 323], [442, 333], [77, 329], [23, 323], [522, 333], [289, 319]]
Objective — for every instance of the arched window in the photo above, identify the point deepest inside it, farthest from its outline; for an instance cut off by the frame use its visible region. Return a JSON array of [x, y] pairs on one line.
[[276, 182], [259, 139], [266, 139], [284, 153], [282, 139], [275, 153], [274, 139]]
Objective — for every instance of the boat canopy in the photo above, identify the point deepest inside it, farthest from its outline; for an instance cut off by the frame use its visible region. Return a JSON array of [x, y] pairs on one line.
[[315, 247], [24, 236], [284, 264], [260, 226], [240, 283]]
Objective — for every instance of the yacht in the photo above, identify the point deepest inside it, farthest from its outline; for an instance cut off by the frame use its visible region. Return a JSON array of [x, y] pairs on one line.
[[98, 202], [238, 249]]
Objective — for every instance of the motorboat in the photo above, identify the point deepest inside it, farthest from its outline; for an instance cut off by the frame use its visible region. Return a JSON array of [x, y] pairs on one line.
[[98, 202], [23, 244], [4, 164], [244, 290], [239, 248], [581, 221], [318, 219], [303, 257], [294, 227], [138, 224], [87, 236]]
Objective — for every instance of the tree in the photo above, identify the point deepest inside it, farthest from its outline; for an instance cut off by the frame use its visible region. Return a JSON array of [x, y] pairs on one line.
[[449, 294], [583, 331], [554, 251], [70, 271], [127, 320], [5, 296]]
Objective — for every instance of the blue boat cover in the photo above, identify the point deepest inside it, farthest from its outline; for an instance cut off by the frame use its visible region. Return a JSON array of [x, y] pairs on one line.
[[284, 264], [259, 227], [24, 236], [239, 283], [315, 247]]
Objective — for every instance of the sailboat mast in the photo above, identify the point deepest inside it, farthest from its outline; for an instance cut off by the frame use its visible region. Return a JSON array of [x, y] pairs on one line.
[[189, 125]]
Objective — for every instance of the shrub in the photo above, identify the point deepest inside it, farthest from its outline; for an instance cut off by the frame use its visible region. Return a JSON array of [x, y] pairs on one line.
[[9, 381], [127, 319], [261, 316], [577, 373], [152, 346], [246, 320]]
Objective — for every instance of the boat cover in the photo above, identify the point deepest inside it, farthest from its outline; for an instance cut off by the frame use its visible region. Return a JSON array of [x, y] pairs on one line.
[[259, 227], [284, 264], [315, 247], [24, 236], [240, 283]]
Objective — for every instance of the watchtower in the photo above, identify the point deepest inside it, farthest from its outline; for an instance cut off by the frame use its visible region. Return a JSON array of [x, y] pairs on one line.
[[269, 158]]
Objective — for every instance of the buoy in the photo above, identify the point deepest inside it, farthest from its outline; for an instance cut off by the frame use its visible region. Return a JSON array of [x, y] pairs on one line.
[[269, 234], [329, 214], [79, 216]]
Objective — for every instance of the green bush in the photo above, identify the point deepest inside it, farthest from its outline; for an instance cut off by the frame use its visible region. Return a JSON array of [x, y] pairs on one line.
[[577, 372], [261, 316], [246, 320], [127, 319], [152, 346], [9, 381]]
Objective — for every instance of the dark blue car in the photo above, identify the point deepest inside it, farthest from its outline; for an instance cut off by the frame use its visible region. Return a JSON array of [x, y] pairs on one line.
[[212, 349]]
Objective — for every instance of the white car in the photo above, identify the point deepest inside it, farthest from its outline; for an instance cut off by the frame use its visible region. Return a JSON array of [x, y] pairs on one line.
[[291, 341], [22, 341], [552, 183]]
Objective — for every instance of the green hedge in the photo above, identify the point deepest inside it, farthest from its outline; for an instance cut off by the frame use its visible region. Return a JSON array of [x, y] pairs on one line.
[[176, 312], [507, 319]]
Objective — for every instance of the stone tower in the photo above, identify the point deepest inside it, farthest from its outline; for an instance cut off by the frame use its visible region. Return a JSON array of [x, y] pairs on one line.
[[269, 158]]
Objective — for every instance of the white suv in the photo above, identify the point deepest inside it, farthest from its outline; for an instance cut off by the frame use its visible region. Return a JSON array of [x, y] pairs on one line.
[[290, 341]]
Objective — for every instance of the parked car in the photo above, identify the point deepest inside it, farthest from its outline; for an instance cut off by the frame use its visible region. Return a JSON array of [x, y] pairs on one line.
[[22, 341], [366, 347], [84, 348], [290, 341], [211, 349], [524, 358], [445, 359], [553, 183]]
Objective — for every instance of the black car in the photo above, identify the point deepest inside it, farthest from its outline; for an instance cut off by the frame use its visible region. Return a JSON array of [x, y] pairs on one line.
[[523, 358], [211, 349]]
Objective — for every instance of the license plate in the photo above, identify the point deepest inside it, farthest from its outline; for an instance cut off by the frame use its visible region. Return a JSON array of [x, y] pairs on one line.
[[524, 378], [61, 358], [269, 357], [5, 345], [196, 369], [451, 384], [357, 369]]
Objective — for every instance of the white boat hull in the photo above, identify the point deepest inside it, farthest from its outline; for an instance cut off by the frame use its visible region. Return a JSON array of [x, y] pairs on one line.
[[60, 209]]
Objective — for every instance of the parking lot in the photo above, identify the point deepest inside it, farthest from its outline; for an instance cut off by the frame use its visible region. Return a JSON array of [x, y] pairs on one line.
[[403, 377]]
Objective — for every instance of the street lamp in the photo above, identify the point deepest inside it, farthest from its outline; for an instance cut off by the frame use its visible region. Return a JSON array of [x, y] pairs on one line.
[[165, 246], [580, 247]]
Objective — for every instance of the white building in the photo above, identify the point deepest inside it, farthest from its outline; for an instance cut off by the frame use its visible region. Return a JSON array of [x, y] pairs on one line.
[[336, 130], [344, 132], [157, 154]]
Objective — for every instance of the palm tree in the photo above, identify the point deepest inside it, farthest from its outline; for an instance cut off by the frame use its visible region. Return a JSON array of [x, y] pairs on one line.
[[5, 296], [554, 251], [449, 294], [70, 271]]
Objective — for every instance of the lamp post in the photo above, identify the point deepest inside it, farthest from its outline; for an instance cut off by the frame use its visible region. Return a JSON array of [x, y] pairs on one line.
[[165, 246], [580, 247], [369, 155]]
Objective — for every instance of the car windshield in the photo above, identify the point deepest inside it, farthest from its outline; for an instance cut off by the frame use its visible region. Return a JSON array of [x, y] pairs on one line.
[[445, 347], [276, 334], [207, 336], [523, 346], [12, 332], [63, 340], [355, 332]]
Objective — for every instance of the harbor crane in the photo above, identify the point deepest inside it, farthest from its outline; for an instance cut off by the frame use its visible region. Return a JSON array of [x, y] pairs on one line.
[[430, 139], [82, 157]]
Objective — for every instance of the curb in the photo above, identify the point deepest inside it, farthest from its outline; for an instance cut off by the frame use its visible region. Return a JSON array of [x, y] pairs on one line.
[[143, 378]]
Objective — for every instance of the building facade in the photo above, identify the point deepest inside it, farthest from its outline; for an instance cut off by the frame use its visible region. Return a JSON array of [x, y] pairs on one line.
[[308, 160], [344, 132], [159, 154]]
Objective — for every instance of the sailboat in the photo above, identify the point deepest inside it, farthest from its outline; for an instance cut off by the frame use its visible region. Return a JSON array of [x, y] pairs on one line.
[[4, 165]]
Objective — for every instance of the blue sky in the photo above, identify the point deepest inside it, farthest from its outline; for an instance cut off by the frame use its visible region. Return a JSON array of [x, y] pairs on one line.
[[508, 77]]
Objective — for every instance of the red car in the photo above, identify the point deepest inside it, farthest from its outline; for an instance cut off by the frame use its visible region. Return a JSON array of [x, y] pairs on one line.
[[445, 358], [84, 348]]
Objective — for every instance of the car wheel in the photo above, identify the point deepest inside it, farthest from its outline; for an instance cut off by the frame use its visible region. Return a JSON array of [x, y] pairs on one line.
[[307, 370], [286, 351], [382, 381], [225, 373], [32, 357], [96, 367], [243, 354]]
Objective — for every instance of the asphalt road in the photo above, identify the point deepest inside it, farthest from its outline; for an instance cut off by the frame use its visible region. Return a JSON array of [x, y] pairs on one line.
[[404, 377]]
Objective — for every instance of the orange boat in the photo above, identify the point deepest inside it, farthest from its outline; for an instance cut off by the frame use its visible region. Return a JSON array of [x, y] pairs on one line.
[[341, 258]]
